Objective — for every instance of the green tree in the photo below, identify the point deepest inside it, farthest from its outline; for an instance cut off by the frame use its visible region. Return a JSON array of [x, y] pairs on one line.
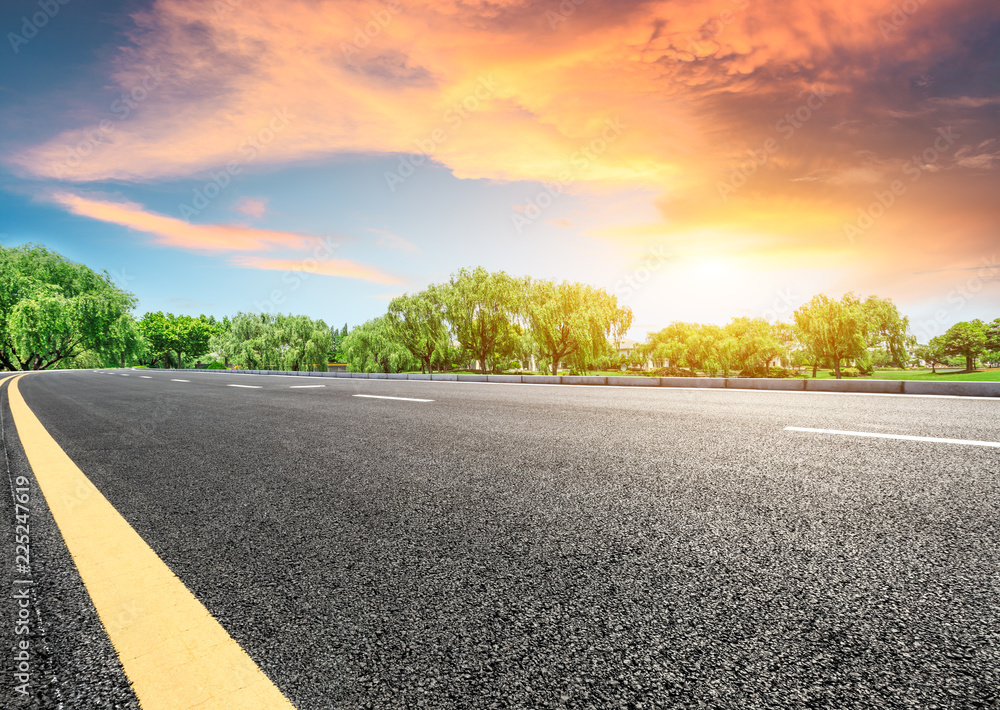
[[166, 333], [480, 307], [572, 319], [302, 342], [888, 329], [53, 309], [757, 343], [250, 342], [931, 354], [833, 330], [967, 339], [417, 322], [993, 336], [373, 347]]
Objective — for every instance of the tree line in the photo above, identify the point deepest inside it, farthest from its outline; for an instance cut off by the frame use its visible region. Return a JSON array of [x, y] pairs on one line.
[[489, 321], [57, 313]]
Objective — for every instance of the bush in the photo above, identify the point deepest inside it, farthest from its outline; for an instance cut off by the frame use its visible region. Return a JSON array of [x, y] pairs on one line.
[[215, 366], [673, 372], [850, 372]]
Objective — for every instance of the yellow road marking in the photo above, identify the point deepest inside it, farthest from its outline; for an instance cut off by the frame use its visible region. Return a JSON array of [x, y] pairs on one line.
[[174, 652]]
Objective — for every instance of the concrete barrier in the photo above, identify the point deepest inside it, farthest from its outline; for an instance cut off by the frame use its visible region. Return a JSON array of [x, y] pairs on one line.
[[503, 378], [418, 377], [634, 381], [964, 389], [577, 380], [377, 376], [853, 385], [765, 383], [396, 376], [541, 379], [471, 378], [447, 378], [706, 382]]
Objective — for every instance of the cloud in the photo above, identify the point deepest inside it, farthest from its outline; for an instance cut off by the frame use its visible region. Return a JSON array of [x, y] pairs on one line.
[[388, 240], [495, 89], [252, 207], [341, 268], [173, 232]]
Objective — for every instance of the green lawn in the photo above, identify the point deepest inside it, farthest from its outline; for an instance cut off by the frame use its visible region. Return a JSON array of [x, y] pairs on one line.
[[943, 375]]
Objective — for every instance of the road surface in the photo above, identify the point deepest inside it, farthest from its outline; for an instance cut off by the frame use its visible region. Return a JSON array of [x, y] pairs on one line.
[[400, 544]]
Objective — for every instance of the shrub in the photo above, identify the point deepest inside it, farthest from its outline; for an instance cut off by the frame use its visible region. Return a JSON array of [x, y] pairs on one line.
[[215, 366], [850, 372], [779, 372], [673, 372]]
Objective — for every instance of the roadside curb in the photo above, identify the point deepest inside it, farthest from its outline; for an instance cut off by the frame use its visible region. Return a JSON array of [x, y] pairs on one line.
[[915, 387]]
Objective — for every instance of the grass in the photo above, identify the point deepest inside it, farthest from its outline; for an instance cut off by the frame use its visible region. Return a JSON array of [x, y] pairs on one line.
[[942, 375]]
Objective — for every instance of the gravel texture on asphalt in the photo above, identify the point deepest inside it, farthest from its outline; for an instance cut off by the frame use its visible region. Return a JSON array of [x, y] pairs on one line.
[[509, 546], [72, 663]]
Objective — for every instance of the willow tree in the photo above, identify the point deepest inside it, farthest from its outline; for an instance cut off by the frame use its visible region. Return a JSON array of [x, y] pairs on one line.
[[889, 329], [302, 342], [572, 319], [417, 322], [53, 309], [834, 330], [481, 307], [373, 347]]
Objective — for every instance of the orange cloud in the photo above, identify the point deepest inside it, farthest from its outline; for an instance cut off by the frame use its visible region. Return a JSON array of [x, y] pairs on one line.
[[327, 267], [169, 231], [600, 97], [251, 207], [510, 90]]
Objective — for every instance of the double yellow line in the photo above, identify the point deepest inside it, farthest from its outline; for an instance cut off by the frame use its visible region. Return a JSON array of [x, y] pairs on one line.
[[174, 652]]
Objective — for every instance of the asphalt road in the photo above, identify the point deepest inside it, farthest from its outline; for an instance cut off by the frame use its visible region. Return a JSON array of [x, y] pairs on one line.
[[522, 546]]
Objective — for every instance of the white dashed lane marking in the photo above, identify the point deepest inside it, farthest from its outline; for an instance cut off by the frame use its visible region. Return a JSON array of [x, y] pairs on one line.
[[903, 437], [404, 399]]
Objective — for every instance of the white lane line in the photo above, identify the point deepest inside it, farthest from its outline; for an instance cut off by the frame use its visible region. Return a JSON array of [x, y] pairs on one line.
[[123, 374], [404, 399], [904, 437], [145, 377], [249, 387], [180, 380], [304, 387]]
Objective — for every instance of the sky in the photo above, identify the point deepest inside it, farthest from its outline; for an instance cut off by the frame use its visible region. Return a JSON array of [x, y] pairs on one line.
[[699, 159]]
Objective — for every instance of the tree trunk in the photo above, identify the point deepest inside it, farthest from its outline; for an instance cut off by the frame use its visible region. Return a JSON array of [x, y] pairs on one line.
[[555, 366], [836, 366], [969, 366], [815, 367]]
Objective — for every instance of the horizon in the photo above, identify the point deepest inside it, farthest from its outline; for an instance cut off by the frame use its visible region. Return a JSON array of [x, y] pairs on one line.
[[701, 163]]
